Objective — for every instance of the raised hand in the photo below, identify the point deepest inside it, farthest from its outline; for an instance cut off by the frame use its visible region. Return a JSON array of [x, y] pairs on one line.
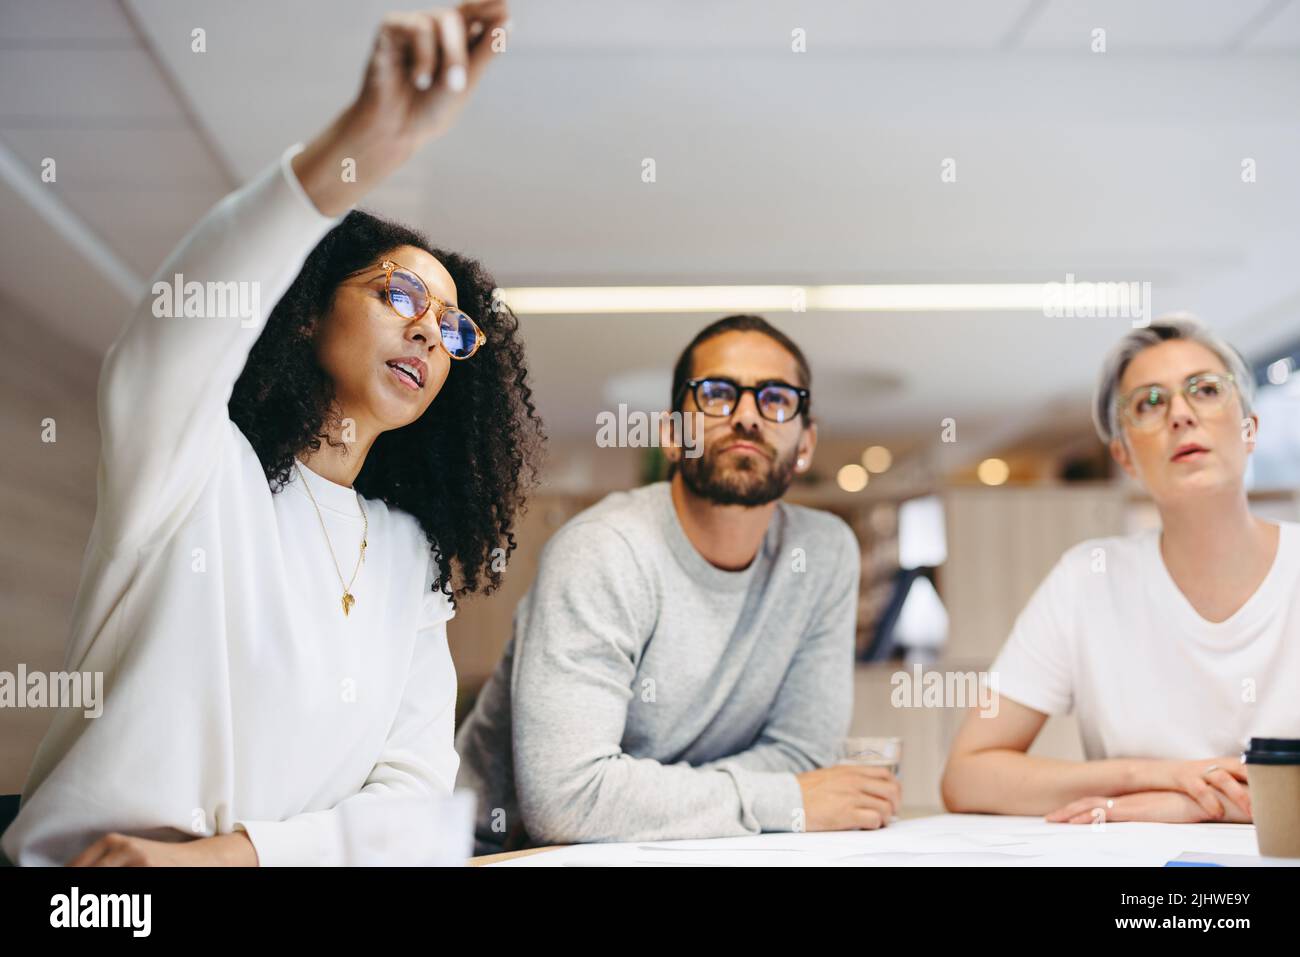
[[422, 69], [424, 65]]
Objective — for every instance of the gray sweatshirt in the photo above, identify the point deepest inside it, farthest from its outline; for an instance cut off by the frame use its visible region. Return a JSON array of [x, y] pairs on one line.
[[648, 695]]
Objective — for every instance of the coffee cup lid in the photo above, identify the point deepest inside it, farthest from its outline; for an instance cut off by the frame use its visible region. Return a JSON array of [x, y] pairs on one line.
[[1273, 751]]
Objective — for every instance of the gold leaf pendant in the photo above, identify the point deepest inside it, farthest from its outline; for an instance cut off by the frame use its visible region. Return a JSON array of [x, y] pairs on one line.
[[348, 602]]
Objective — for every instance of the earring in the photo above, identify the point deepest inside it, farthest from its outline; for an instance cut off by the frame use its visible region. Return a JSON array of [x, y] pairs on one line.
[[799, 463]]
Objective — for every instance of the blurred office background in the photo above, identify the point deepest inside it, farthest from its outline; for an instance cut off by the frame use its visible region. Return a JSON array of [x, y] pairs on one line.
[[931, 142]]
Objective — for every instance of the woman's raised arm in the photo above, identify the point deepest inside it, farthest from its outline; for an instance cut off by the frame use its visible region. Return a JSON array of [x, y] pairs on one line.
[[166, 380]]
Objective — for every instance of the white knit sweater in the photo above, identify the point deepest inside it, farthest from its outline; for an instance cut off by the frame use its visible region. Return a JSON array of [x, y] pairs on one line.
[[237, 693]]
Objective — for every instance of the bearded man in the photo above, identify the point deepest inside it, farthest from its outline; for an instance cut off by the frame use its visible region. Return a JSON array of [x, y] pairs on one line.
[[682, 666]]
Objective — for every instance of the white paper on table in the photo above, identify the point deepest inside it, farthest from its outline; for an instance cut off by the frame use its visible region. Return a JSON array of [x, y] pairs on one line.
[[942, 840]]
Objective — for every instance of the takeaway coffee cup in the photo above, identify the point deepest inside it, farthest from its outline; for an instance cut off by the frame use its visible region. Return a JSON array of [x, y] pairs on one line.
[[1273, 771]]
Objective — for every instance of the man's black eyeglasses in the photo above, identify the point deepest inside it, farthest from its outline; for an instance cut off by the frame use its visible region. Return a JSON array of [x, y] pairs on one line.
[[777, 401]]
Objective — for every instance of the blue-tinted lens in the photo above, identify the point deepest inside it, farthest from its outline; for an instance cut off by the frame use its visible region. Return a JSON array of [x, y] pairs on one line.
[[716, 397], [778, 402], [458, 333], [407, 294]]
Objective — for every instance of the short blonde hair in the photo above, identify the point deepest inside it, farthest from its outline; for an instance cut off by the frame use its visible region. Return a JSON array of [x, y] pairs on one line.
[[1175, 325]]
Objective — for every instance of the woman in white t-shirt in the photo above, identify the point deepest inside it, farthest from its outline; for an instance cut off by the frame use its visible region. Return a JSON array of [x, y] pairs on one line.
[[288, 500], [1174, 646]]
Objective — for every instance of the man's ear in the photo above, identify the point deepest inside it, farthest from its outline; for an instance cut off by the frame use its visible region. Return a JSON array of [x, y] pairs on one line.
[[1120, 453], [807, 445]]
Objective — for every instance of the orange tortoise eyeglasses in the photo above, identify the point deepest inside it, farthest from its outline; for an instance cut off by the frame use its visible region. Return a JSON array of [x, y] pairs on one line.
[[408, 295]]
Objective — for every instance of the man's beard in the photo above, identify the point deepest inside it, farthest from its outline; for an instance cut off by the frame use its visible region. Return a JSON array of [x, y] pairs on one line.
[[748, 480]]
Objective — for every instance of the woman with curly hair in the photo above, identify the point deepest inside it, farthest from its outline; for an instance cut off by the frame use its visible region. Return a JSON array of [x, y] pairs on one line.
[[288, 506]]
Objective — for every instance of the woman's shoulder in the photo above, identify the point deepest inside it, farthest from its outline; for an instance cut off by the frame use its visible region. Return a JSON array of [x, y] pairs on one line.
[[1288, 531], [1289, 546], [1103, 556], [608, 532], [404, 529]]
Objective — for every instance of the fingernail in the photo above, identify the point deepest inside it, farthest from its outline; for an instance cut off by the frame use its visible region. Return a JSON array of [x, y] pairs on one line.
[[423, 81], [456, 78]]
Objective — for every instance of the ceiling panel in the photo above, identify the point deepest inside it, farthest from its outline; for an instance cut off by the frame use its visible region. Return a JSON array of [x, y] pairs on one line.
[[772, 167], [122, 160], [49, 278], [1279, 33], [689, 27], [142, 225], [37, 20], [90, 88], [1140, 25]]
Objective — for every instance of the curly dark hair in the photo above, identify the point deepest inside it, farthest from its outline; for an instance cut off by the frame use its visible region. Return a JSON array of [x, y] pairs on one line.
[[464, 468]]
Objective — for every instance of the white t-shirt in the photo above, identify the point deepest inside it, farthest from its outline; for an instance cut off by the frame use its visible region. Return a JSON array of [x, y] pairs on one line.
[[1109, 635], [237, 693]]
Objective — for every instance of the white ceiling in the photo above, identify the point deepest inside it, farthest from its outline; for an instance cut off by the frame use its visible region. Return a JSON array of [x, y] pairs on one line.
[[773, 167]]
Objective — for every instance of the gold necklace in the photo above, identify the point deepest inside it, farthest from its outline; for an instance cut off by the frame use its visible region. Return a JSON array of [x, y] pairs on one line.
[[348, 599]]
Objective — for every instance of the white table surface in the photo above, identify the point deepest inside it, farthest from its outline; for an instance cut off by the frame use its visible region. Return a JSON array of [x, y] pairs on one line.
[[941, 840]]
